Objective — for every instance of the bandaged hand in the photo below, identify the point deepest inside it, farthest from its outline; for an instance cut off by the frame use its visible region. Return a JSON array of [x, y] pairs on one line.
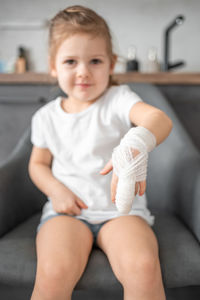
[[129, 161], [129, 168]]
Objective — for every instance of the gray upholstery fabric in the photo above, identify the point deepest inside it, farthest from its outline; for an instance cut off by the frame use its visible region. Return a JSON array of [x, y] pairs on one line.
[[19, 198], [176, 243], [173, 193], [179, 252], [18, 260], [18, 254]]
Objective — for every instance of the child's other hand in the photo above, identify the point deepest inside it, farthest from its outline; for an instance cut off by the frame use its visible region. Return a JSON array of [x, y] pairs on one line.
[[65, 201], [140, 187]]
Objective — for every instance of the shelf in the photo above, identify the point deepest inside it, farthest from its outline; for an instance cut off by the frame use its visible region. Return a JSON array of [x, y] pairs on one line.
[[162, 78], [159, 78], [27, 78]]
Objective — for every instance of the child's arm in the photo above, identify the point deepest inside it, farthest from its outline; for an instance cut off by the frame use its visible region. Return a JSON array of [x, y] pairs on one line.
[[153, 119], [153, 127], [63, 200]]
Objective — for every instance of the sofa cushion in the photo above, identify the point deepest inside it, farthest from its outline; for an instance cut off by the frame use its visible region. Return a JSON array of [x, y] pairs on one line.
[[18, 254], [179, 252], [18, 260], [179, 267]]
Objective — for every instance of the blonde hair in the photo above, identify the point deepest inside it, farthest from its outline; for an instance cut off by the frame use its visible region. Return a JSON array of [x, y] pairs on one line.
[[77, 19]]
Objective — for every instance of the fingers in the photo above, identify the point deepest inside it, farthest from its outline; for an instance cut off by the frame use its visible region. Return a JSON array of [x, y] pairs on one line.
[[114, 182], [81, 204], [140, 188], [76, 209], [73, 207], [107, 168]]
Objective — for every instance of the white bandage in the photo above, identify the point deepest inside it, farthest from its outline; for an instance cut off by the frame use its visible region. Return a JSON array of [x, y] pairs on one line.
[[128, 168]]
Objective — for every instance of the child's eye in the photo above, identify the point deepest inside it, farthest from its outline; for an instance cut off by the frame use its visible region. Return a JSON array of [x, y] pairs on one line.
[[70, 62], [96, 61]]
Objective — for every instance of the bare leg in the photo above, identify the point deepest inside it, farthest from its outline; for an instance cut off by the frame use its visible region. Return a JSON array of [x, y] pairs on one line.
[[132, 250], [63, 247]]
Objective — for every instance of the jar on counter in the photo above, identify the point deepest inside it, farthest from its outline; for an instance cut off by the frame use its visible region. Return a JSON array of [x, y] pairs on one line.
[[152, 65], [132, 62]]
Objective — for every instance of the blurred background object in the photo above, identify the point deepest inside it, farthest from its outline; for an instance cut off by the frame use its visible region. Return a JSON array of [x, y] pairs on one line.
[[139, 22], [132, 62], [21, 65], [167, 45], [153, 64]]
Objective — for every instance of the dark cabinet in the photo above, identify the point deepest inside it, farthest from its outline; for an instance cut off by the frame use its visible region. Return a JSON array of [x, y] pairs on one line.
[[18, 102]]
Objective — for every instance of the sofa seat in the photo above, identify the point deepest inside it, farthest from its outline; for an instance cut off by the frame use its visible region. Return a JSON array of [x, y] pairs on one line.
[[176, 243], [18, 257], [18, 260]]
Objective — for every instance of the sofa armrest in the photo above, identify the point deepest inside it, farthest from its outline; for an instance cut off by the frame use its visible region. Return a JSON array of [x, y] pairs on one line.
[[19, 198], [188, 194]]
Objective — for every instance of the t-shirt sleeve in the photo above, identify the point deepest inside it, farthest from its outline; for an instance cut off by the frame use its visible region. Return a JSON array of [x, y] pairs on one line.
[[124, 101], [38, 130]]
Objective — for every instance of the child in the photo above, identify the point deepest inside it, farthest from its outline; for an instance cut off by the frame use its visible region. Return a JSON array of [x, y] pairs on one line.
[[73, 140]]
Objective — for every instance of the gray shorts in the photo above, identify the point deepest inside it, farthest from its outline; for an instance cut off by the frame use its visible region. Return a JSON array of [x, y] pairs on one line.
[[94, 228]]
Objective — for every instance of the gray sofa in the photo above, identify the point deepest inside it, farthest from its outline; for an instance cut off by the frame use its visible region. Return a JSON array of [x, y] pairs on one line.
[[173, 191]]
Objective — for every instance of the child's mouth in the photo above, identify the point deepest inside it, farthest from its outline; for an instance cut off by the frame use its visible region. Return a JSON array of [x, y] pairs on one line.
[[83, 85]]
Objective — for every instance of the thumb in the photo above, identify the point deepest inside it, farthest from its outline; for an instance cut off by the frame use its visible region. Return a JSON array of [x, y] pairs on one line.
[[107, 168]]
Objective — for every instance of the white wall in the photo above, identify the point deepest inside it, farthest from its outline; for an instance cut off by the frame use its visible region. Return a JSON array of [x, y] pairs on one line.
[[138, 22]]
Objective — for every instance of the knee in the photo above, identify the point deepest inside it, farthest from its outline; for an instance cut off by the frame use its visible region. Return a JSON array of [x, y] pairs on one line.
[[54, 279], [139, 272]]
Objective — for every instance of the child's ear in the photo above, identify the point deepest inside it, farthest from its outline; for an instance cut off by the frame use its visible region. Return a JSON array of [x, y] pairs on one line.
[[52, 69], [113, 63], [53, 72]]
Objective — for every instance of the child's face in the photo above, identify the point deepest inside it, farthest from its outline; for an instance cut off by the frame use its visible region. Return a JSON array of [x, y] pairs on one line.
[[83, 67]]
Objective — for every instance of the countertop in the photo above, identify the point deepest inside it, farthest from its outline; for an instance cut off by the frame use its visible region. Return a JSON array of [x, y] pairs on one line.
[[166, 78]]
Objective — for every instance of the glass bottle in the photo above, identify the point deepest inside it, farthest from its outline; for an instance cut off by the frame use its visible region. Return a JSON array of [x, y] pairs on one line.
[[20, 65], [152, 61]]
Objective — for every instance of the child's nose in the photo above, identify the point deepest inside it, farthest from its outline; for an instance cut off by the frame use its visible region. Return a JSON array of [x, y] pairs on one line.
[[83, 70]]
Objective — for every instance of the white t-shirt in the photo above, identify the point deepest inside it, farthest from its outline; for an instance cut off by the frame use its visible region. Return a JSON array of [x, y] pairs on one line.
[[81, 144]]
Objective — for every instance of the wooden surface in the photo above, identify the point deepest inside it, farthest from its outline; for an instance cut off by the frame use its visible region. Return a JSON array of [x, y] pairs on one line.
[[159, 78], [156, 78], [28, 77]]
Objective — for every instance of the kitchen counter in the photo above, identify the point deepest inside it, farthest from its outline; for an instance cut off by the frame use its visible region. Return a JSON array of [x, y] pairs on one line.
[[27, 78], [161, 78]]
